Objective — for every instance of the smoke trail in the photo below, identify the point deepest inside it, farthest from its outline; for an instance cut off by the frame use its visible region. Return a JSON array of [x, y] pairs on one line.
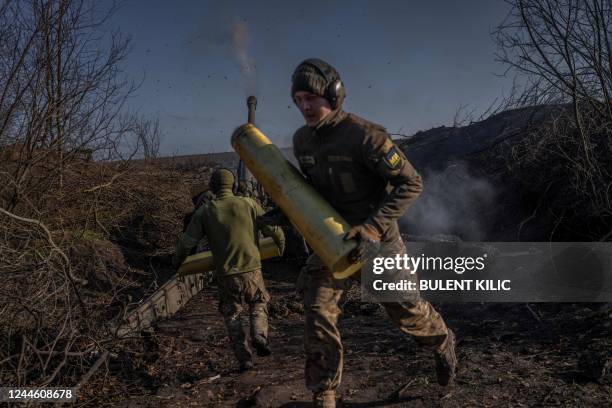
[[453, 202], [240, 46]]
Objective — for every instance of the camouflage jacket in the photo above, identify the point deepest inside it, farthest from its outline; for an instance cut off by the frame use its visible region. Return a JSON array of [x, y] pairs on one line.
[[356, 167]]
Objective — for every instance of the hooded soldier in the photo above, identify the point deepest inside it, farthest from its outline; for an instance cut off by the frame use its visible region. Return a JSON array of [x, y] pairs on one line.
[[231, 225]]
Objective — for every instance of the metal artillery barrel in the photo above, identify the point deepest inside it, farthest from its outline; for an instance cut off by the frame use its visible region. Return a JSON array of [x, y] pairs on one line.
[[321, 225], [203, 262]]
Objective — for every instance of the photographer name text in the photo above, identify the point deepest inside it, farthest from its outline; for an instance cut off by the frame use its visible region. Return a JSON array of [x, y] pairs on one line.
[[444, 285]]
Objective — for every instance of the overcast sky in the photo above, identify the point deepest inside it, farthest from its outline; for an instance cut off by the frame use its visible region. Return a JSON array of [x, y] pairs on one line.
[[407, 65]]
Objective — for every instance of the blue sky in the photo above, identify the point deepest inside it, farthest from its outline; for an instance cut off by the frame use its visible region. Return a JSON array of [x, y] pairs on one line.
[[407, 65]]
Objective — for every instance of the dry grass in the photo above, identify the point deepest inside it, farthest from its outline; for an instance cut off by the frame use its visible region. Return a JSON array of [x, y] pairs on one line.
[[74, 260]]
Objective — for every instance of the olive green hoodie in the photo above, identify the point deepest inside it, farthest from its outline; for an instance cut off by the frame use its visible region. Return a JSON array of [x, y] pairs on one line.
[[231, 224]]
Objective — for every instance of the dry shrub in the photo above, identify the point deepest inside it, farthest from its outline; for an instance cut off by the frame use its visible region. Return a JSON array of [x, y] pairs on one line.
[[72, 267], [77, 237]]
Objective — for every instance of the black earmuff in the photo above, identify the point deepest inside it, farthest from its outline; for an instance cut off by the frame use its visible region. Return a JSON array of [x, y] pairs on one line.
[[334, 88]]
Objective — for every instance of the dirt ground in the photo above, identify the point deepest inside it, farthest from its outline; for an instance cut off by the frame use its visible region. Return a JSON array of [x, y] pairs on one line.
[[510, 355]]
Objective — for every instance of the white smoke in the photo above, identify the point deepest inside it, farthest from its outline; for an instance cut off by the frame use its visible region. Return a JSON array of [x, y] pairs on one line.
[[241, 39], [453, 202]]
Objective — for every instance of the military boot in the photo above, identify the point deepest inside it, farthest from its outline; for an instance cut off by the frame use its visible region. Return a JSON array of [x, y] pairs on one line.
[[261, 346], [325, 399], [446, 361]]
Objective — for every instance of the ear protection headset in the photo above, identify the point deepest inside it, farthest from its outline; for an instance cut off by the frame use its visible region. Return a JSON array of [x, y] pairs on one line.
[[334, 89]]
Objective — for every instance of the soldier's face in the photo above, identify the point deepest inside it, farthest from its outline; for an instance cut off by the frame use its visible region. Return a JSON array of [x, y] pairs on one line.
[[313, 107]]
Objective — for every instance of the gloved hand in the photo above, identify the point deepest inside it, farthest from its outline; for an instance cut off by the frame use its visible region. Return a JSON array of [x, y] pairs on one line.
[[281, 247], [274, 217], [362, 233]]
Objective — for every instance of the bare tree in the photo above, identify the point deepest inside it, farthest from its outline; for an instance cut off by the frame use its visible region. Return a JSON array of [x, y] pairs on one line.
[[149, 136], [61, 104], [561, 51], [60, 90]]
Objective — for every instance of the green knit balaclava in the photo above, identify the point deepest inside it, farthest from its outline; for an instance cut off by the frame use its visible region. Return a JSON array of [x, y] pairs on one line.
[[221, 179]]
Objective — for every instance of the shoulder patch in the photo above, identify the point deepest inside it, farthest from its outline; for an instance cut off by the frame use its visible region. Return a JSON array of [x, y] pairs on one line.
[[393, 159]]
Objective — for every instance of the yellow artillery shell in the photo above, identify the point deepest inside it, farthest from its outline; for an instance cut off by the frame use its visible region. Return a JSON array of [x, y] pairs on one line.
[[203, 261], [319, 223]]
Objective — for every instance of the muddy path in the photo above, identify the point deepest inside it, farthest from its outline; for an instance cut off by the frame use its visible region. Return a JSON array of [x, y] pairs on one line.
[[510, 355]]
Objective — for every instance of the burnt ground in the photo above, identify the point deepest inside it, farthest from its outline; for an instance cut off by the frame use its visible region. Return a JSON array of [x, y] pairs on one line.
[[510, 355]]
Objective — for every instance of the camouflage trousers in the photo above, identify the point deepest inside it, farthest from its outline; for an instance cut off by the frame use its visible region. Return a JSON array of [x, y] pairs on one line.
[[234, 291], [322, 342]]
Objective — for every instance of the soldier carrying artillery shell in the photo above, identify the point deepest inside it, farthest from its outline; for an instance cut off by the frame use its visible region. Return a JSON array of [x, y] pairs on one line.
[[231, 225], [356, 167]]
